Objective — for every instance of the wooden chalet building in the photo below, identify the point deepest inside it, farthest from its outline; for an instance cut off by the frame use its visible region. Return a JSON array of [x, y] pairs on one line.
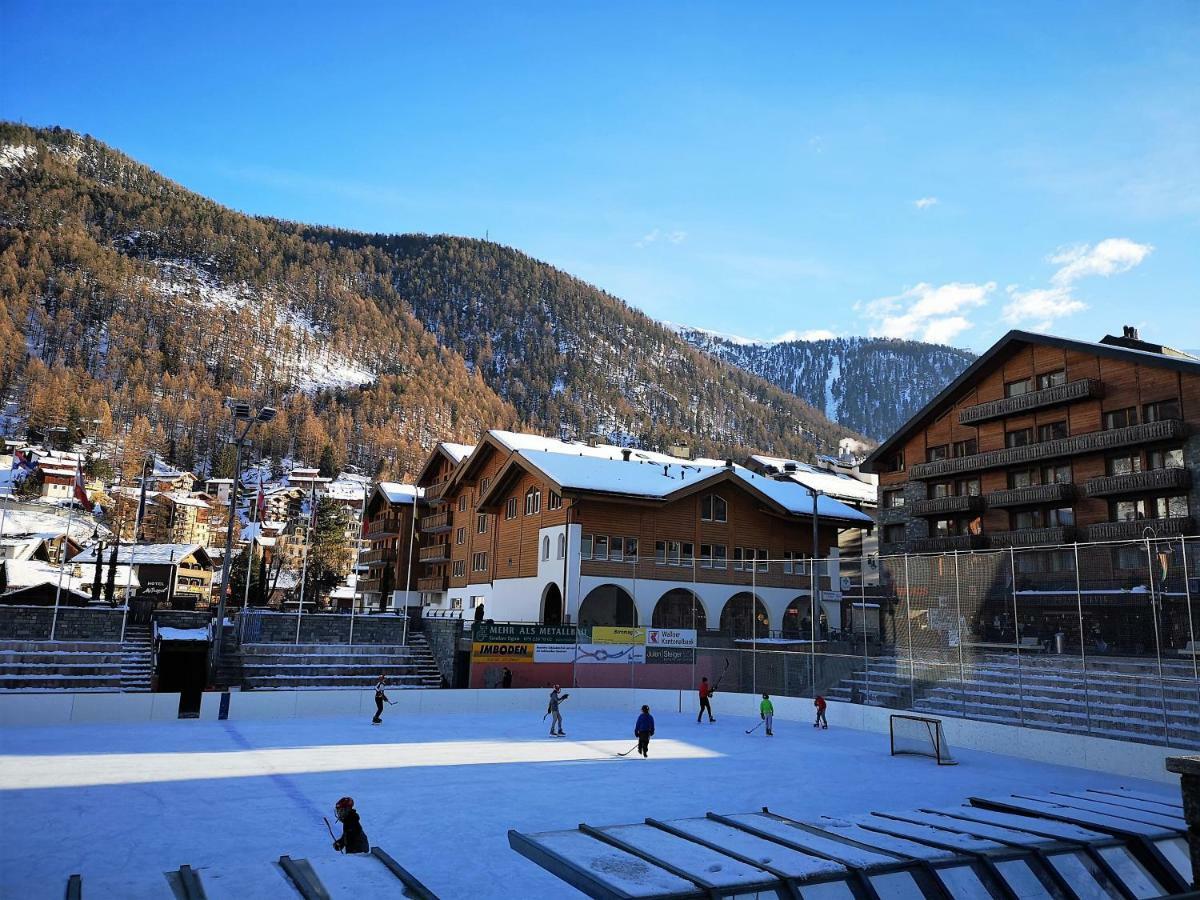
[[1045, 441], [541, 530], [388, 561]]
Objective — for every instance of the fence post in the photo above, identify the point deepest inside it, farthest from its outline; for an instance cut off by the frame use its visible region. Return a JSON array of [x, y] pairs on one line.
[[1087, 698], [962, 678], [1012, 560], [1154, 608], [862, 592], [754, 626], [912, 672], [1187, 596]]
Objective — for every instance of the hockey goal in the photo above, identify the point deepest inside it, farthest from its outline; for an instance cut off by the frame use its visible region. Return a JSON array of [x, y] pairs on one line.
[[922, 737]]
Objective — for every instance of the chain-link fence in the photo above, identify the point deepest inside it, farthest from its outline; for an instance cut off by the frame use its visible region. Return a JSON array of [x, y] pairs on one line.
[[1091, 638]]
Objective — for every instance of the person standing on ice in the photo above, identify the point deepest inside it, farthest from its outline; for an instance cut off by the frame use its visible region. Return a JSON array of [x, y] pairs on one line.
[[705, 701], [506, 678], [819, 703], [353, 839], [643, 730], [766, 711], [380, 699], [552, 710]]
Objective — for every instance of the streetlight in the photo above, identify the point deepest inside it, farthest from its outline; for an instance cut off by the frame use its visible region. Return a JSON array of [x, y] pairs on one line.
[[241, 413], [812, 613]]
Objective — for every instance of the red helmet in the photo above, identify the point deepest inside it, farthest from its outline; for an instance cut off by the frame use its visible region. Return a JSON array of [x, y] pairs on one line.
[[343, 806]]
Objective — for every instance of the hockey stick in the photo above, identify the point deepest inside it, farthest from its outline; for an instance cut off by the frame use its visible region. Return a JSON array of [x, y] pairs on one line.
[[756, 727], [329, 828], [723, 671], [630, 750]]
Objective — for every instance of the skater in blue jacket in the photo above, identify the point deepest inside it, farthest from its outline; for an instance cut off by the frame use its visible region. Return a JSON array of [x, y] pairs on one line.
[[644, 730]]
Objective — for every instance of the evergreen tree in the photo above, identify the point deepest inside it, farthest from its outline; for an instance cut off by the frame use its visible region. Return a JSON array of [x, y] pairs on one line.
[[110, 586], [328, 465], [225, 462]]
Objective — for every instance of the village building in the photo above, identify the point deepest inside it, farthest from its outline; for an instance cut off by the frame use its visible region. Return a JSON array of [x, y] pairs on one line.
[[178, 576], [388, 556]]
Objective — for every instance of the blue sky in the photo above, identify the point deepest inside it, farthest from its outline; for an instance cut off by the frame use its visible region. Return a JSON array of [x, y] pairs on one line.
[[938, 171]]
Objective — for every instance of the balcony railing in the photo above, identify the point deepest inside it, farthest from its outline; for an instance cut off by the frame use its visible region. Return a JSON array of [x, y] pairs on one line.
[[1090, 442], [432, 583], [1010, 406], [947, 505], [1138, 482], [381, 530], [1031, 537], [436, 553], [1136, 529], [370, 557], [433, 493], [1034, 493], [436, 523], [948, 542]]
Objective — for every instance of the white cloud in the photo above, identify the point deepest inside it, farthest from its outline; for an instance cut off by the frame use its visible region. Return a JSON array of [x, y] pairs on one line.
[[925, 202], [658, 234], [1038, 308], [927, 312], [811, 334]]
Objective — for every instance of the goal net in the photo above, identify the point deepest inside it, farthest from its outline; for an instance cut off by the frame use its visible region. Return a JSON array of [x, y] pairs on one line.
[[922, 737]]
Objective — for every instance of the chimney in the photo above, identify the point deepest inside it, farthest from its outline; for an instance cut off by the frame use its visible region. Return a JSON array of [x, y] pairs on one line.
[[789, 467], [680, 451], [626, 453], [666, 470], [1131, 332], [728, 463]]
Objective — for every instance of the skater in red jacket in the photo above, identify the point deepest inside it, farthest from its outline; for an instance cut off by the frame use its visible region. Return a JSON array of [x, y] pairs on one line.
[[819, 703], [705, 701]]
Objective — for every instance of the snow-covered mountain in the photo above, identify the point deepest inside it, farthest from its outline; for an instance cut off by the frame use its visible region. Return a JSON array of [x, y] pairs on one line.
[[871, 385]]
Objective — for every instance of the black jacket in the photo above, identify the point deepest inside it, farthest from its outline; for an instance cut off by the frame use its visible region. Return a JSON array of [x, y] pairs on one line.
[[353, 839]]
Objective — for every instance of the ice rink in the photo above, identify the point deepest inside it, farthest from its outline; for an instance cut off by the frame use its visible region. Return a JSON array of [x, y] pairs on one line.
[[122, 804]]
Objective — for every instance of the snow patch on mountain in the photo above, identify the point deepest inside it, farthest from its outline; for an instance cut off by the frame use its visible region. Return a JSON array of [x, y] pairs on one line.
[[13, 156]]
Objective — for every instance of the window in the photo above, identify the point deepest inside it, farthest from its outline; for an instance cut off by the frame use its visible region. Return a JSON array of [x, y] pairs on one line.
[[616, 549], [1020, 479], [510, 508], [460, 568], [533, 502], [1060, 474], [555, 501], [1130, 557], [762, 559], [1163, 409], [562, 546], [895, 463], [687, 554], [893, 534], [787, 562], [737, 558], [479, 562], [456, 602], [968, 447], [1064, 515], [481, 523], [1017, 388], [460, 535], [799, 563], [893, 499], [462, 503], [1128, 510], [1166, 459], [483, 486], [1125, 464], [1051, 431], [1051, 379], [718, 560], [546, 547], [713, 509], [941, 451], [476, 601], [1171, 507], [600, 547], [1029, 518], [1022, 437], [941, 489], [585, 546], [706, 554], [944, 527], [673, 552], [1120, 418], [660, 553], [631, 549], [967, 487]]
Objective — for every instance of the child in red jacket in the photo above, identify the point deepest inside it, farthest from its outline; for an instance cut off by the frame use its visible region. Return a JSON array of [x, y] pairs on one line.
[[819, 703]]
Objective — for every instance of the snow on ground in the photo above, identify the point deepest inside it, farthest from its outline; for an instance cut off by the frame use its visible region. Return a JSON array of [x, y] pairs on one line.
[[122, 804]]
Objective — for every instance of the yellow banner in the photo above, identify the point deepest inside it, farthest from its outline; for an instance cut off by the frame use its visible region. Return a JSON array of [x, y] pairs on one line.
[[501, 653], [605, 634]]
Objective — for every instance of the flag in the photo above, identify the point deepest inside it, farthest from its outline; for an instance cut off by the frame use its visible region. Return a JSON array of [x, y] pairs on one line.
[[22, 464], [80, 490], [260, 503]]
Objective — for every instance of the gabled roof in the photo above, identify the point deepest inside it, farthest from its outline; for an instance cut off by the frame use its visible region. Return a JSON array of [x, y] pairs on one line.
[[455, 453], [147, 554], [834, 484], [1185, 364], [651, 481]]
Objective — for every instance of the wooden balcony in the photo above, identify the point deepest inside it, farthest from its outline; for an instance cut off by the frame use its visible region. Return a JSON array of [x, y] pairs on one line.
[[1076, 445], [375, 557], [433, 583], [1082, 389], [1032, 537], [435, 492], [940, 506], [435, 554], [1139, 482], [948, 543], [1136, 529], [1031, 495], [382, 530], [438, 523]]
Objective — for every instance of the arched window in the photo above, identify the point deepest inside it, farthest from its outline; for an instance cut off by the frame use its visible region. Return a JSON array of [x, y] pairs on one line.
[[546, 547], [533, 502], [713, 509], [562, 546]]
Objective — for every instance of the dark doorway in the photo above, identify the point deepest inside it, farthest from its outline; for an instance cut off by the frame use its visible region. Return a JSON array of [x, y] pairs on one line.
[[183, 668], [552, 611]]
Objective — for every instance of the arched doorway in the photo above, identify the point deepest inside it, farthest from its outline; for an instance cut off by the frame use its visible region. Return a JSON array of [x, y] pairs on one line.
[[679, 608], [608, 605], [740, 610], [797, 620], [552, 611]]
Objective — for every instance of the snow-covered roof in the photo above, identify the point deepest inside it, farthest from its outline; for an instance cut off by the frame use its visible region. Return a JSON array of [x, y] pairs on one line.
[[399, 493], [660, 480], [25, 573], [458, 452], [835, 484], [185, 500], [167, 633], [144, 554], [513, 440]]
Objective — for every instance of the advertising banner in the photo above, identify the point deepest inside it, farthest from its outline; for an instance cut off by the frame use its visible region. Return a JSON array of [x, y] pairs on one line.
[[501, 652], [611, 653], [670, 655], [670, 637], [605, 634], [554, 653], [489, 633]]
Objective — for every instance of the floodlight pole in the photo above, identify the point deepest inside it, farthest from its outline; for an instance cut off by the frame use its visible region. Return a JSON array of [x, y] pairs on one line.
[[812, 612]]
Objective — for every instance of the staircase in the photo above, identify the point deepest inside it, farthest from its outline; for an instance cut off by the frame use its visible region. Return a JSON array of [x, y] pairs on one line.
[[1120, 698], [336, 666], [60, 666], [137, 659]]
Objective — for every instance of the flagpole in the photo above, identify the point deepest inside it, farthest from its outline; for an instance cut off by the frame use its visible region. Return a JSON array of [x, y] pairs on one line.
[[137, 536], [362, 530], [412, 538], [312, 515], [62, 565]]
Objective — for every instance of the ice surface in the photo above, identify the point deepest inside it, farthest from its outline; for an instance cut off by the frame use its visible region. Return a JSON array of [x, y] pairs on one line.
[[122, 804]]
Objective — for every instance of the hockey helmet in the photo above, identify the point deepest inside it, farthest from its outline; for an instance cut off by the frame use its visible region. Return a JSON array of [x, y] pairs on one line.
[[343, 806]]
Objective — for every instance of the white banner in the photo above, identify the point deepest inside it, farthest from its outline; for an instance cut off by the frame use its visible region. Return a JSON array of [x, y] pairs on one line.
[[611, 653], [670, 637], [554, 653]]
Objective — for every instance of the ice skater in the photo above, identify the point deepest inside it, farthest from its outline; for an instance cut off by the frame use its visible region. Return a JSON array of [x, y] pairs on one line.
[[380, 699], [706, 693], [552, 710], [353, 839], [819, 703], [766, 712], [643, 730]]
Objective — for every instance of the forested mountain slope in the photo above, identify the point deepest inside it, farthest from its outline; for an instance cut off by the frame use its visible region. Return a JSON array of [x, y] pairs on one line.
[[128, 301]]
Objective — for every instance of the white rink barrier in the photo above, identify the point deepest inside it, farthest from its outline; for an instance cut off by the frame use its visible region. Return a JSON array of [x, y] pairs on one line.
[[1123, 758]]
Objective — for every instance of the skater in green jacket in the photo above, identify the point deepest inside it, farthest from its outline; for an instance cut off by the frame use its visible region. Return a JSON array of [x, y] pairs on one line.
[[766, 712]]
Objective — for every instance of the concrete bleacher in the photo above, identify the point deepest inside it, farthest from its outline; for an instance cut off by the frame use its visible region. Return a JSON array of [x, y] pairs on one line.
[[333, 666], [1119, 698], [61, 665]]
